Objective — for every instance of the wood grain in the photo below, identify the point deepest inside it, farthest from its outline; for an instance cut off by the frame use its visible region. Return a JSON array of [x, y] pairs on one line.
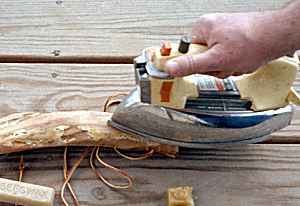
[[251, 175], [95, 31], [65, 87], [53, 87]]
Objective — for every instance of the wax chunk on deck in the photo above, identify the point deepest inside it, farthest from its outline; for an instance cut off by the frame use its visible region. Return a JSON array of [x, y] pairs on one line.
[[25, 194], [180, 196]]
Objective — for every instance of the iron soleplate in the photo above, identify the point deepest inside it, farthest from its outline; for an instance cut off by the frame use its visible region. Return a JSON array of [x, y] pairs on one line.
[[168, 126]]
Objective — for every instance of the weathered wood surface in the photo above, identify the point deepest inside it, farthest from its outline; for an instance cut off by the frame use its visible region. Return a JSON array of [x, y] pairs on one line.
[[250, 175], [52, 87], [113, 31], [99, 31], [65, 87]]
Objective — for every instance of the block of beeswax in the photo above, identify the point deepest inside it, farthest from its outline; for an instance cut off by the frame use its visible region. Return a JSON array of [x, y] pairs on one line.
[[180, 196], [25, 194]]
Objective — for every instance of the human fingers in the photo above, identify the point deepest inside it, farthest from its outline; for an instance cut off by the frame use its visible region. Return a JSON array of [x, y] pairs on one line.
[[205, 62]]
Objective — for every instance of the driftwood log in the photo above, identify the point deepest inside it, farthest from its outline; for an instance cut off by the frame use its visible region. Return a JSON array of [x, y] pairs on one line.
[[25, 131]]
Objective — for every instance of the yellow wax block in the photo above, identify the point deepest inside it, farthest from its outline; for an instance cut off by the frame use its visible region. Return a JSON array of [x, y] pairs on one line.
[[180, 196], [25, 194]]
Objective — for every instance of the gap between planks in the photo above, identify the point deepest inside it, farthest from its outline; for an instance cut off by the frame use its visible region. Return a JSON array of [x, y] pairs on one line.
[[35, 59]]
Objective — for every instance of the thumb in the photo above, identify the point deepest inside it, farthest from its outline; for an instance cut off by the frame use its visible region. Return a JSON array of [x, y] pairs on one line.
[[205, 62]]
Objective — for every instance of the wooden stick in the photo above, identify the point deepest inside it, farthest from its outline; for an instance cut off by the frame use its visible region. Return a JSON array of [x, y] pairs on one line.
[[25, 131]]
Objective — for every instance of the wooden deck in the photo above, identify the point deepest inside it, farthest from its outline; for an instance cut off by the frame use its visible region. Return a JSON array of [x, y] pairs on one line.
[[60, 55]]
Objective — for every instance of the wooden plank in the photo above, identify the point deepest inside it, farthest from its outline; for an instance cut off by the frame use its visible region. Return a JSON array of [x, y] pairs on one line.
[[52, 87], [65, 87], [94, 31], [250, 175]]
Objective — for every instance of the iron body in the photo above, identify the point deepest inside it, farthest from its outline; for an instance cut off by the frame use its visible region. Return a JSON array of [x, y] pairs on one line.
[[215, 119]]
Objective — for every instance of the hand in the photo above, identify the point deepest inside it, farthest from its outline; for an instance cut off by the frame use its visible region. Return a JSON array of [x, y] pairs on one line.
[[234, 46]]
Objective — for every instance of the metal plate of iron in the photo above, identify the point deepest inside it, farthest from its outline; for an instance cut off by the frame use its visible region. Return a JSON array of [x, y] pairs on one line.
[[168, 126]]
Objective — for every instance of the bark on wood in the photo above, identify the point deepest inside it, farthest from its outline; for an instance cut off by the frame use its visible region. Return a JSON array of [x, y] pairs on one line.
[[24, 131]]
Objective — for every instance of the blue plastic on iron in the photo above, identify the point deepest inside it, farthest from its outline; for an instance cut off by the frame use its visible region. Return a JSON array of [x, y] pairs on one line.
[[232, 121]]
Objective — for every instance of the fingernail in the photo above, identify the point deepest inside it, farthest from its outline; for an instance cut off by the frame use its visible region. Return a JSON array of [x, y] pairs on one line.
[[172, 68]]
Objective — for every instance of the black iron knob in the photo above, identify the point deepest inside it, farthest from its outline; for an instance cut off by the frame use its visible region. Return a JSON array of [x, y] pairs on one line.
[[184, 44]]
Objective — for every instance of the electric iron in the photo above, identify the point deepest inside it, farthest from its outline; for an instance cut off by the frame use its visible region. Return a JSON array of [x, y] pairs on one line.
[[200, 111]]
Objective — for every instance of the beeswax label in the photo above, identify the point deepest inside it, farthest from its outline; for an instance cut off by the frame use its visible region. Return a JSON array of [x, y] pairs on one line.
[[26, 194]]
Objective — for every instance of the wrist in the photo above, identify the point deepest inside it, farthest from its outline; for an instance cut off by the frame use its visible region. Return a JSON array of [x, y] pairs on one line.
[[265, 36], [274, 33]]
